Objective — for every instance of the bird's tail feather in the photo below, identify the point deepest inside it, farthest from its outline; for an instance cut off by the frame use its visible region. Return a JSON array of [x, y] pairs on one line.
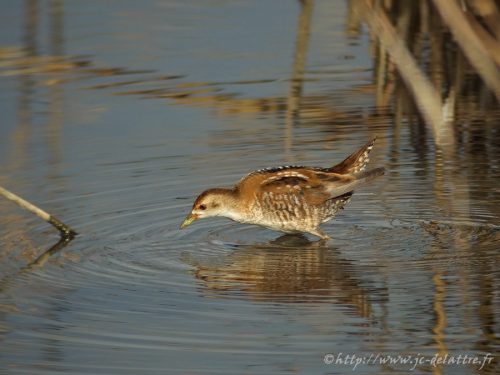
[[356, 162], [361, 179]]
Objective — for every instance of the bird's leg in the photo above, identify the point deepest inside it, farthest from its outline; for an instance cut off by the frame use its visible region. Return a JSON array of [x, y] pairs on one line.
[[320, 234]]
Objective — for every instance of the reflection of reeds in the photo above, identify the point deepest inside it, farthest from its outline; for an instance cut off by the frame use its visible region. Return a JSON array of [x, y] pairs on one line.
[[426, 96], [440, 80], [422, 51], [470, 43], [440, 317], [299, 64]]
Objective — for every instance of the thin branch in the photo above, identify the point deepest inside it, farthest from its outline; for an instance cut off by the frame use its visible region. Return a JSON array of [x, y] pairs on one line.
[[65, 231]]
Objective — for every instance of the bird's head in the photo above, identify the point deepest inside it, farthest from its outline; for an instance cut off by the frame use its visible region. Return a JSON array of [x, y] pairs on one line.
[[212, 202]]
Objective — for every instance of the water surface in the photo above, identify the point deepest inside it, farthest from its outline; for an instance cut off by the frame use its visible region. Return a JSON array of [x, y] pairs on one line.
[[116, 115]]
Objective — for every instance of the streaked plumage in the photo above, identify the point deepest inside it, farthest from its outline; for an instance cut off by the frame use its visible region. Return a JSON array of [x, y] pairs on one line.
[[289, 198]]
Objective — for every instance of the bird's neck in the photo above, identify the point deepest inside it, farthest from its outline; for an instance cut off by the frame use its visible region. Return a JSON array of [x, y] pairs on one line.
[[233, 205]]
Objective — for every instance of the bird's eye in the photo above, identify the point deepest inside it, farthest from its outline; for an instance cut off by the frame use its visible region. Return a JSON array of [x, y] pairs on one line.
[[202, 207]]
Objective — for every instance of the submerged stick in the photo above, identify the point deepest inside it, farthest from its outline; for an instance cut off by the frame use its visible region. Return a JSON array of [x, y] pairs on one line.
[[64, 230]]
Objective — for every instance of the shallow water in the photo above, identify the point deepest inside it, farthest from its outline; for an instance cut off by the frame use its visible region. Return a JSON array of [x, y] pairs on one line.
[[116, 115]]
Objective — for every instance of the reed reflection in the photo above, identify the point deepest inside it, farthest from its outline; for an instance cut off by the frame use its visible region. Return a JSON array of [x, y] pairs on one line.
[[56, 94], [296, 82], [488, 314], [439, 81], [30, 63], [290, 269]]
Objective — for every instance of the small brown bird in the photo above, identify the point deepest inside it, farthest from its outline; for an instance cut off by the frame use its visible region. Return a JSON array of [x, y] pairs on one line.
[[290, 199]]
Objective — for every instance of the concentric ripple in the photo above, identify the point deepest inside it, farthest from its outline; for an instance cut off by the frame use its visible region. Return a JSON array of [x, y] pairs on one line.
[[116, 124]]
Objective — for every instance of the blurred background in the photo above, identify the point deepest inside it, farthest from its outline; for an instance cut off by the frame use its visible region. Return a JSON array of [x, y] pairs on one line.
[[116, 114]]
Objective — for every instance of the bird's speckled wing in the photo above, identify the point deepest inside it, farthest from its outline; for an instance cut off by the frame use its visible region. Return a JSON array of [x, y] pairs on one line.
[[310, 184], [314, 185]]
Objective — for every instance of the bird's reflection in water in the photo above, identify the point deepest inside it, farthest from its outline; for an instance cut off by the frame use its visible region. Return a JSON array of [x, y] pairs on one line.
[[290, 269]]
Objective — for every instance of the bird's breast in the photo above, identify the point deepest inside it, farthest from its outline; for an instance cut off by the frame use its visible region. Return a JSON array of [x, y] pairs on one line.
[[284, 211]]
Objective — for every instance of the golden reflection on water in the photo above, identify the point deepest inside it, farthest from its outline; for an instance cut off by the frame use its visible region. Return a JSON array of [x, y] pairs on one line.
[[416, 24], [440, 316]]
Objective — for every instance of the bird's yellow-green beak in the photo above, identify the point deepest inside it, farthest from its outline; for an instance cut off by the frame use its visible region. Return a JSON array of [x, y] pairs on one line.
[[188, 220]]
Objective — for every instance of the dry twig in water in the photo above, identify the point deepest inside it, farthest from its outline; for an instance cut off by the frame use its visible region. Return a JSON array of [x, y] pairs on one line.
[[65, 231]]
